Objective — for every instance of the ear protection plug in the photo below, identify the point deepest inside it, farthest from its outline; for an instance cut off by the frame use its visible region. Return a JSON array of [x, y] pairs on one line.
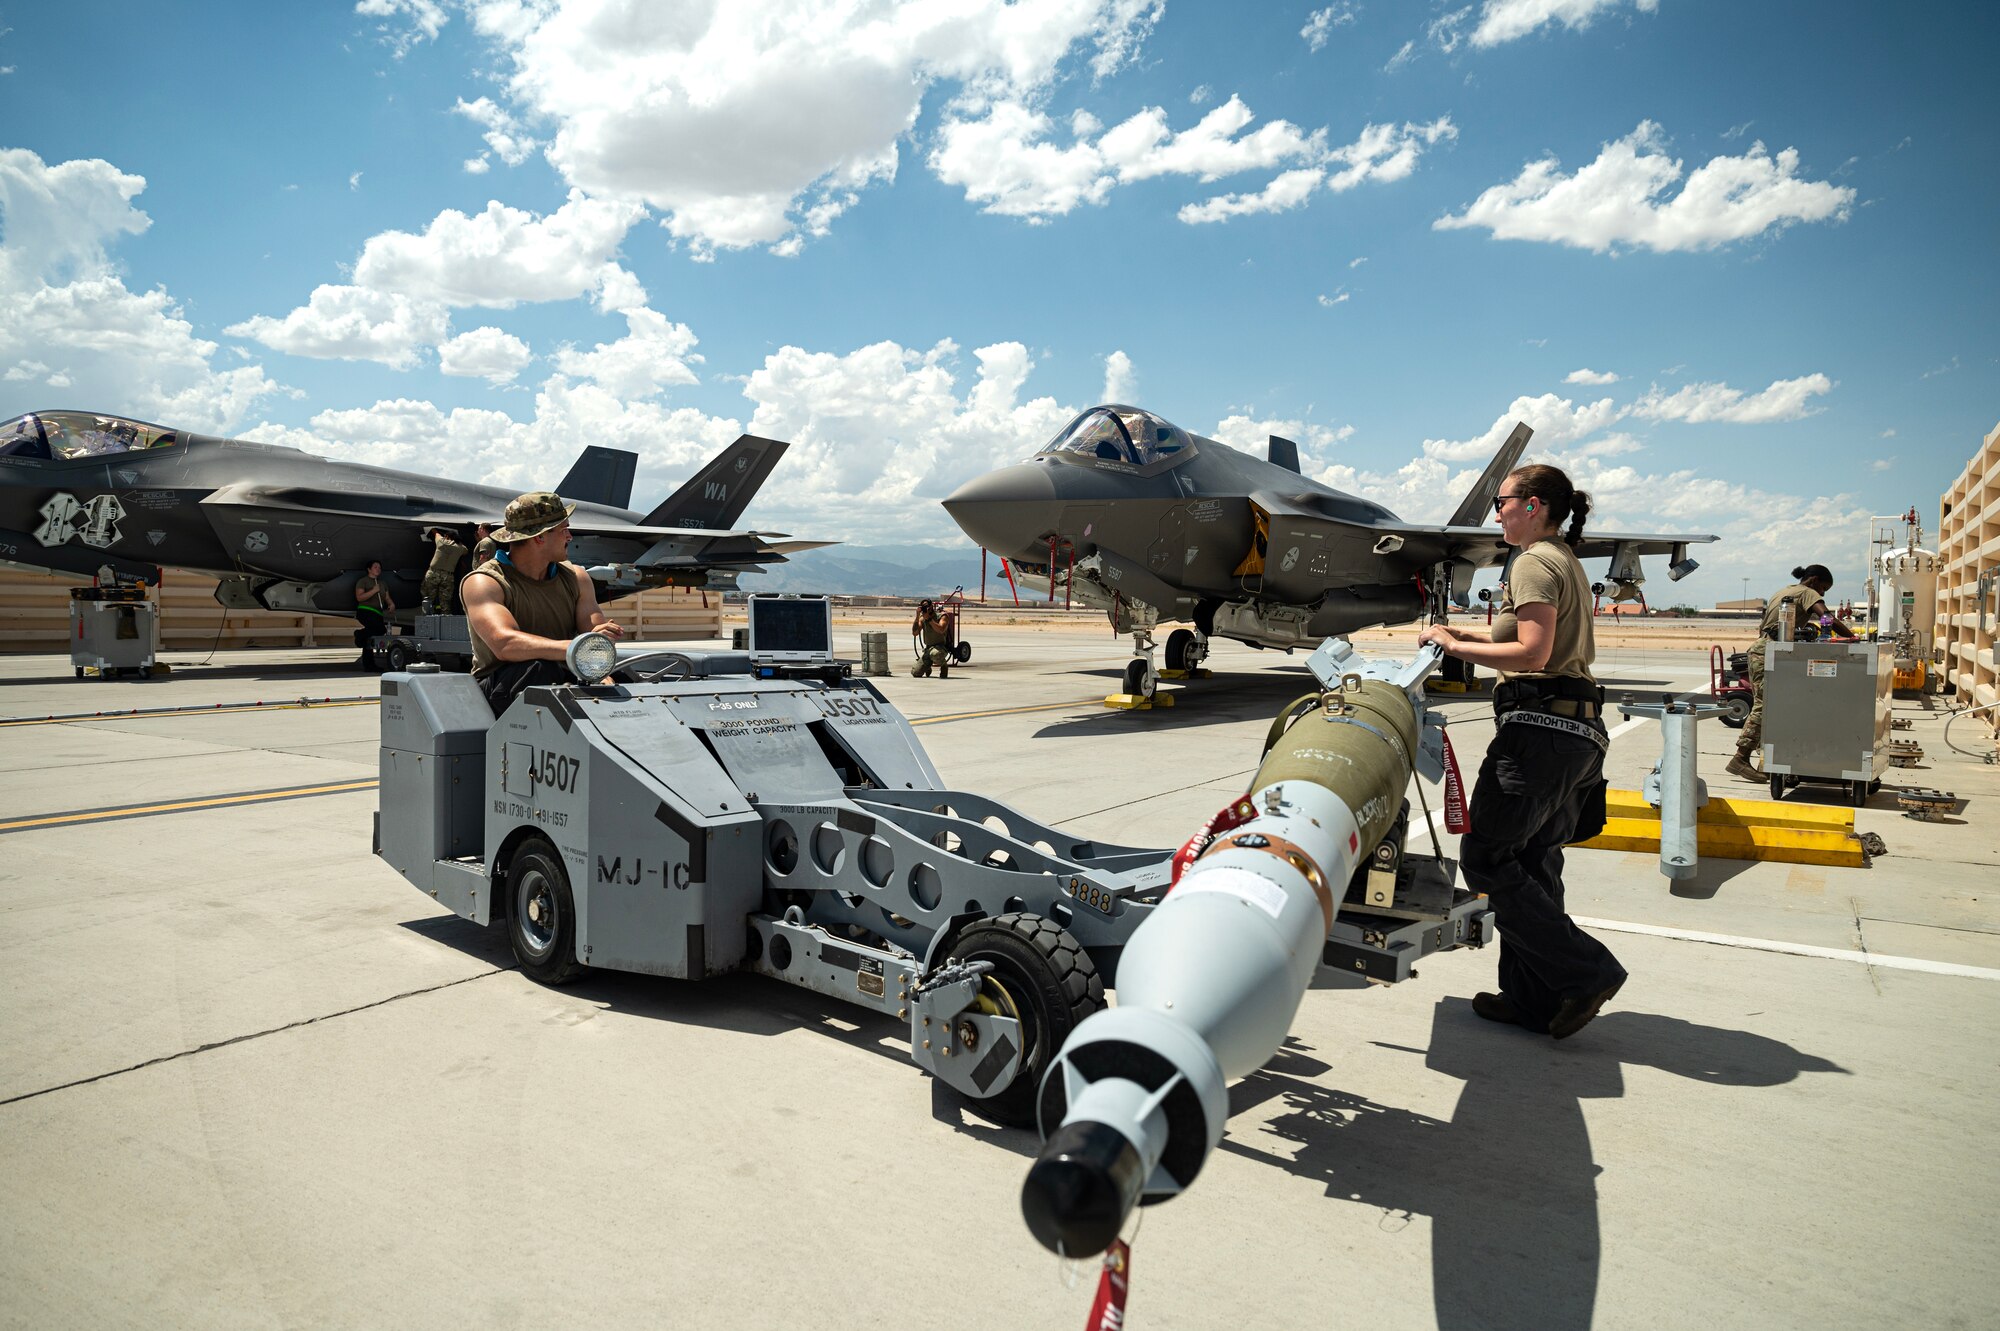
[[1531, 506]]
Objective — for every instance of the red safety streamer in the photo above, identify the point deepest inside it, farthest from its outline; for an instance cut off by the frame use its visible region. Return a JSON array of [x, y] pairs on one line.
[[1455, 820], [1227, 819], [1008, 569], [1107, 1311]]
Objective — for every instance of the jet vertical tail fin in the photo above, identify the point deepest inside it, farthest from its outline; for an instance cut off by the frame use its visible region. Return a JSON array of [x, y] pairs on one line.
[[1284, 453], [1474, 509], [601, 476], [715, 497]]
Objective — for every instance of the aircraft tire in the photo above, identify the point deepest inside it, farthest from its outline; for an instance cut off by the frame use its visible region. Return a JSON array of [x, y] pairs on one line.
[[1180, 650], [1135, 676], [541, 914], [1042, 977]]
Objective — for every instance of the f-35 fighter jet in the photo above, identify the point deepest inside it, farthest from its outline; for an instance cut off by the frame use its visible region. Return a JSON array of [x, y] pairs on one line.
[[1135, 515], [285, 530]]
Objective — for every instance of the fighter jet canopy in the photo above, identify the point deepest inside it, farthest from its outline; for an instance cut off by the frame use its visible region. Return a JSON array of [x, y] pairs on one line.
[[61, 435], [1120, 434]]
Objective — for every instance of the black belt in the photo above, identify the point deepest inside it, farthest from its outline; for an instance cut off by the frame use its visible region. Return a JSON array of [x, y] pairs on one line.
[[1562, 695]]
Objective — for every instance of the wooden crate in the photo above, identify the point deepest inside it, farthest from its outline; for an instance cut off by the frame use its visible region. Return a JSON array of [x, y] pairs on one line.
[[34, 616]]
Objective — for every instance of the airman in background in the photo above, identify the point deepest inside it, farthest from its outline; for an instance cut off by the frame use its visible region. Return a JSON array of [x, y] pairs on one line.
[[372, 607], [484, 547], [441, 580], [935, 642], [1801, 603]]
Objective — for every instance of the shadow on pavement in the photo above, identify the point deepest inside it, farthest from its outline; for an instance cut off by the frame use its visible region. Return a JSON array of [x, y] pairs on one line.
[[1509, 1181], [1205, 702], [1709, 876], [744, 1003]]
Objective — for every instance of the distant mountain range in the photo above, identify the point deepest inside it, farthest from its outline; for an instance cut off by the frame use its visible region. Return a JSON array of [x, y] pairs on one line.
[[884, 570]]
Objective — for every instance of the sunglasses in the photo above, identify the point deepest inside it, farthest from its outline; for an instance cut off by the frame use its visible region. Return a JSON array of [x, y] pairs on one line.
[[1500, 501]]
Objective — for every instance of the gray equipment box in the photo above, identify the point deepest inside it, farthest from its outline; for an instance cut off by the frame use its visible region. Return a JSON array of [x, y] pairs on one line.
[[1826, 714], [445, 640], [112, 630]]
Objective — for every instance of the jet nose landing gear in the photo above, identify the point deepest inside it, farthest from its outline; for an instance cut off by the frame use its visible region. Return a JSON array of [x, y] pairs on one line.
[[1142, 678]]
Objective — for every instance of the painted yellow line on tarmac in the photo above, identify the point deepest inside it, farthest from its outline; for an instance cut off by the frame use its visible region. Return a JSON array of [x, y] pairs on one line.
[[1005, 711], [344, 787], [183, 806], [146, 713]]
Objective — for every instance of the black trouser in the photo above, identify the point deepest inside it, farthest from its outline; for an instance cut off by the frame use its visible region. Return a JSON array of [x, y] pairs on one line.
[[509, 678], [1532, 793], [373, 625]]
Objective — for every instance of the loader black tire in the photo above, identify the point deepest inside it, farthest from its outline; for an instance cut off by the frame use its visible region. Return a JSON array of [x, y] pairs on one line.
[[541, 914], [1052, 985]]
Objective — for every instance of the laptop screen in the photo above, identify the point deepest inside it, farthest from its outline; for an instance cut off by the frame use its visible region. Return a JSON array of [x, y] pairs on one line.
[[791, 630]]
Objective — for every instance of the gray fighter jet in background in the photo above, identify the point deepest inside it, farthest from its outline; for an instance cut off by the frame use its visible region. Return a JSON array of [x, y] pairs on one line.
[[288, 531], [1130, 513]]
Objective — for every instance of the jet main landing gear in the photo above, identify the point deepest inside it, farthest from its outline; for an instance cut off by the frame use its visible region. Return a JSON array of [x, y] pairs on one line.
[[1186, 650]]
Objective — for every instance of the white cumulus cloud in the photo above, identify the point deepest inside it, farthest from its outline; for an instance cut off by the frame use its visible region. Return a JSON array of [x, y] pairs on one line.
[[501, 256], [1321, 23], [405, 23], [504, 136], [654, 354], [731, 119], [1784, 400], [1592, 378], [352, 323], [1619, 200], [1555, 421], [484, 353], [1006, 159], [70, 324], [1248, 434], [1504, 20], [1121, 381]]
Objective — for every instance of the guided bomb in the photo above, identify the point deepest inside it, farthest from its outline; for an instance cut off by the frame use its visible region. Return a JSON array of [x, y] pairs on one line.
[[1210, 983]]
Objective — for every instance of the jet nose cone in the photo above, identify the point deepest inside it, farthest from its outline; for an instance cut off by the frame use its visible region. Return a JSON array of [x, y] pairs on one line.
[[1008, 511]]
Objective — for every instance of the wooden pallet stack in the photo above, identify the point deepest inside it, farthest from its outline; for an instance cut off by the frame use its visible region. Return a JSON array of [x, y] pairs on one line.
[[1969, 581]]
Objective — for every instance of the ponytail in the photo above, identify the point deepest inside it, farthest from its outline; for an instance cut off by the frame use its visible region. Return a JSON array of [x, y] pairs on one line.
[[1579, 509]]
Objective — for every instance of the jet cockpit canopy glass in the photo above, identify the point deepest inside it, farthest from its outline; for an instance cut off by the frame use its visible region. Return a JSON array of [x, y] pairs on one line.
[[62, 435], [1120, 434]]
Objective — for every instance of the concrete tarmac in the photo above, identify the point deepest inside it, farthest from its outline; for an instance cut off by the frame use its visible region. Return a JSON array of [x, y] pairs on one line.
[[251, 1078]]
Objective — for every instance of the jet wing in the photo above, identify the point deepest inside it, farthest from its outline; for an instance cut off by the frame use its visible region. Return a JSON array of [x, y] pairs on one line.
[[1310, 549]]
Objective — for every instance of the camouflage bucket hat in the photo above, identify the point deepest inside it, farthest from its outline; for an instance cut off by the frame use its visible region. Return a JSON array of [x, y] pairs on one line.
[[531, 515]]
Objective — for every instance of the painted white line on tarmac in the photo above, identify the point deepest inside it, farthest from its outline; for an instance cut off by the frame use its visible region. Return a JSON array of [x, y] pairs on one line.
[[1796, 949]]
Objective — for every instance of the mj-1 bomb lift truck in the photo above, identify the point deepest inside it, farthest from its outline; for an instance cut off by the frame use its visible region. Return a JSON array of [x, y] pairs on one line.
[[707, 812]]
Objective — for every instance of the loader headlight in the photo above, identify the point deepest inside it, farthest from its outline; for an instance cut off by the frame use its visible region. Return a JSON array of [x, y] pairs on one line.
[[591, 656]]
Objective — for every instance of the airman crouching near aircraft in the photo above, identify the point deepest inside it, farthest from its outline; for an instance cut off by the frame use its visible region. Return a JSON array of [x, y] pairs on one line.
[[936, 650], [526, 603], [441, 580]]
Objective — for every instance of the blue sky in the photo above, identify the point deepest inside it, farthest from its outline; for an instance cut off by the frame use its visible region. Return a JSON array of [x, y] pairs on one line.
[[470, 238]]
